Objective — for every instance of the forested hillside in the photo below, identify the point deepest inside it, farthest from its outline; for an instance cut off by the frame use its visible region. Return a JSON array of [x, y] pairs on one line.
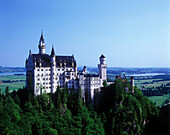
[[118, 112]]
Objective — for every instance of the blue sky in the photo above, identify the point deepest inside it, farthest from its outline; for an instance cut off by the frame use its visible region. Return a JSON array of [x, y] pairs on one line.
[[130, 33]]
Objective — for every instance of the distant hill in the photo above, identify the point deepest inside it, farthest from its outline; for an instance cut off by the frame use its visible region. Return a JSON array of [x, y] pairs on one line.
[[11, 69], [110, 70], [126, 71]]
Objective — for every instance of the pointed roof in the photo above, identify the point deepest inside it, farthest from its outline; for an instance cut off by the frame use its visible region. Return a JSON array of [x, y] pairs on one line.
[[30, 52], [52, 52], [41, 38], [102, 56]]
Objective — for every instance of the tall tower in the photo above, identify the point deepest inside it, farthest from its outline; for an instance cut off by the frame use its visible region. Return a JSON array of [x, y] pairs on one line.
[[85, 69], [41, 45], [53, 65], [132, 83], [102, 68]]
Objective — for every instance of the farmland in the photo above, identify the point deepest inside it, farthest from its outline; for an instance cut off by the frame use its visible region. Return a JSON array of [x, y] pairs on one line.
[[145, 79], [14, 82]]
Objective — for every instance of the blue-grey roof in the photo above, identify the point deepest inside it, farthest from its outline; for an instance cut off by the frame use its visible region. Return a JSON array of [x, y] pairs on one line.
[[45, 60], [102, 56], [52, 52]]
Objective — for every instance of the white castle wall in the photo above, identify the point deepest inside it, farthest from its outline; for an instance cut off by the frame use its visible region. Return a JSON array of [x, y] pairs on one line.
[[47, 79], [44, 78]]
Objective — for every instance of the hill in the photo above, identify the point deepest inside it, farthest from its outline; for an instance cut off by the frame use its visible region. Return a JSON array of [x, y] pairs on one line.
[[118, 112], [11, 69]]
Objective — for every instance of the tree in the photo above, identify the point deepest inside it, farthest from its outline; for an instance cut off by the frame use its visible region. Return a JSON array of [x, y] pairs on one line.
[[7, 91], [105, 83], [58, 100], [17, 99]]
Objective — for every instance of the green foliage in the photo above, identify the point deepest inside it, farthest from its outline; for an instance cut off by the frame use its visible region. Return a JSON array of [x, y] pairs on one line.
[[105, 83], [58, 113], [63, 112], [7, 91], [125, 112]]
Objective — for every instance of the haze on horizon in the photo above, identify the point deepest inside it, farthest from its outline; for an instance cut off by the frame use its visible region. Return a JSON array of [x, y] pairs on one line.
[[129, 33]]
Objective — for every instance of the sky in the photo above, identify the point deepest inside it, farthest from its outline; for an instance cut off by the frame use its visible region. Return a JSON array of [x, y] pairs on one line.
[[130, 33]]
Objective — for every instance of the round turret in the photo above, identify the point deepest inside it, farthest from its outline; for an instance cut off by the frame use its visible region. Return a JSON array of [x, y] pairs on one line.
[[102, 59], [41, 45], [85, 69], [102, 68], [53, 67]]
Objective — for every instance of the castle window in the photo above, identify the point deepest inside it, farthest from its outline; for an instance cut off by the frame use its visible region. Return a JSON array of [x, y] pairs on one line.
[[63, 69], [41, 69], [38, 75], [41, 74], [70, 69], [49, 69], [58, 69], [38, 70]]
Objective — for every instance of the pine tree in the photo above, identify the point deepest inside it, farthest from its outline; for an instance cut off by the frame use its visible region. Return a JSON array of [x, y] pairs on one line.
[[7, 91]]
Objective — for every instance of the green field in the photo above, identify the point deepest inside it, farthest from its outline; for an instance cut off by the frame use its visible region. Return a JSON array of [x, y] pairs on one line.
[[12, 77], [150, 83], [159, 100], [14, 85]]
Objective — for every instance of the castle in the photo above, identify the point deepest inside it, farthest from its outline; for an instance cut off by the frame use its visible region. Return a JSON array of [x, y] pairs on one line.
[[45, 73]]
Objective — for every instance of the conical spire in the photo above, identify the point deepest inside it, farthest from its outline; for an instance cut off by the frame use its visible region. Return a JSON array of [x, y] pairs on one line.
[[52, 52], [30, 52], [41, 38], [41, 45]]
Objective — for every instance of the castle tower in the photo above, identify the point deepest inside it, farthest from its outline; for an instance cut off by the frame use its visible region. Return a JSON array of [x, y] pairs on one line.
[[53, 66], [132, 83], [75, 66], [41, 45], [85, 69], [102, 68]]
